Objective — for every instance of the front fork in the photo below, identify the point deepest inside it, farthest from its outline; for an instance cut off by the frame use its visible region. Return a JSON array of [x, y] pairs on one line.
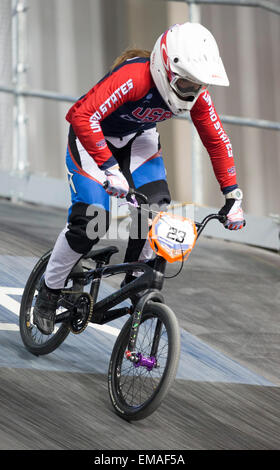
[[131, 354]]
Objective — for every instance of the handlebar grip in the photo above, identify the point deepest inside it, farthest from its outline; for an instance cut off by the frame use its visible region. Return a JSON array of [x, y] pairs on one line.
[[222, 218], [134, 192], [131, 192]]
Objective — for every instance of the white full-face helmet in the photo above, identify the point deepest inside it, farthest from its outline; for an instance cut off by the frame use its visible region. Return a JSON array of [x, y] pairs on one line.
[[184, 60]]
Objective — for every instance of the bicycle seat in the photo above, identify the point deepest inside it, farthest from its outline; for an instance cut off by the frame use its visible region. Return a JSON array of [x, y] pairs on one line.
[[102, 255]]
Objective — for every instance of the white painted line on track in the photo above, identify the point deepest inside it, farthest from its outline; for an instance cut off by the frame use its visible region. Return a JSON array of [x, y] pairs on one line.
[[9, 327], [14, 306], [105, 328], [9, 303], [12, 290], [198, 362]]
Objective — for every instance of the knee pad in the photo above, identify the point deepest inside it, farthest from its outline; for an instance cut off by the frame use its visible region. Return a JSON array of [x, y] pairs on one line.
[[87, 223]]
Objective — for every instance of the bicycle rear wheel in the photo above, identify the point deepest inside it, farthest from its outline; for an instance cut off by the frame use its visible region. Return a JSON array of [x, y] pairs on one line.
[[36, 342], [136, 390]]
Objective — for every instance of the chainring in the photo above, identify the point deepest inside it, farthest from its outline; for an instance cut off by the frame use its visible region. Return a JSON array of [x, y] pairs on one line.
[[81, 313]]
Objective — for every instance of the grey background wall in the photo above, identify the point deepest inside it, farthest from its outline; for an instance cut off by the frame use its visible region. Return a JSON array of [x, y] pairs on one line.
[[71, 44]]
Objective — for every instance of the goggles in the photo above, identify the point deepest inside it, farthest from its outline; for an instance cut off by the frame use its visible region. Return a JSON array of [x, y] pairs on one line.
[[184, 87]]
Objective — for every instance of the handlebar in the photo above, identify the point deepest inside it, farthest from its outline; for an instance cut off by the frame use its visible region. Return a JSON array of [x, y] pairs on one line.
[[199, 225]]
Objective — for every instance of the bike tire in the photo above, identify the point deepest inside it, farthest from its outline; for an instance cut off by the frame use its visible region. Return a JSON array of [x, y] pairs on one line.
[[119, 377], [37, 343]]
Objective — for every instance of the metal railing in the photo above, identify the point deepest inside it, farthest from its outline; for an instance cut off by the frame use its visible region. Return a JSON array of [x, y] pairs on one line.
[[264, 4], [235, 120]]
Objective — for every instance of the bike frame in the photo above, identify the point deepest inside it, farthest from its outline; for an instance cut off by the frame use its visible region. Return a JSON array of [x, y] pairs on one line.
[[151, 280]]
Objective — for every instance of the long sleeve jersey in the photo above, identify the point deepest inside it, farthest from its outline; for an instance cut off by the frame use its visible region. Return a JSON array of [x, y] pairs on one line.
[[127, 101]]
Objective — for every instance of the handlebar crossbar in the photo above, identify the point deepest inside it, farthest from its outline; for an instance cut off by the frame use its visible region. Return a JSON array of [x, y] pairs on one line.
[[199, 225]]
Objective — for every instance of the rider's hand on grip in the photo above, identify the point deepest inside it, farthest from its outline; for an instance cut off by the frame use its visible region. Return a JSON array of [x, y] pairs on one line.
[[233, 211], [115, 184]]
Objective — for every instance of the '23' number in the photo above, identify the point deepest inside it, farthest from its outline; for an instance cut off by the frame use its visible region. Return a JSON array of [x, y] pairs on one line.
[[176, 235]]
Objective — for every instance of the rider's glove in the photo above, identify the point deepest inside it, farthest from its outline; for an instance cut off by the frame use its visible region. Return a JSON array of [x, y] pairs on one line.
[[233, 211], [116, 184]]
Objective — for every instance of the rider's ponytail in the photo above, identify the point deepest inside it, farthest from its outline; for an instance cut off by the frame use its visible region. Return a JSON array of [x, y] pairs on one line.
[[129, 54]]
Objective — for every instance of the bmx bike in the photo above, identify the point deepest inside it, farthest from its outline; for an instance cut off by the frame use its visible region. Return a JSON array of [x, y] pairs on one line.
[[145, 356]]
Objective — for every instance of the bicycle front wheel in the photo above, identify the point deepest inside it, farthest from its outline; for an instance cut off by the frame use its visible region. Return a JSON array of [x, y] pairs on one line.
[[137, 388]]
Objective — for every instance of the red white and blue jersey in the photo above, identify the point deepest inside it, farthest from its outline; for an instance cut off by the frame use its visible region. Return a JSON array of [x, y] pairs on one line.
[[127, 101]]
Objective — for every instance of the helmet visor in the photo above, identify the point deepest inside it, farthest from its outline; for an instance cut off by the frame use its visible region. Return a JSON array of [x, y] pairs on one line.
[[184, 87]]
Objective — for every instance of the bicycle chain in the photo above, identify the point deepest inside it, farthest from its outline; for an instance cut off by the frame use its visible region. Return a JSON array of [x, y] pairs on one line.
[[90, 309]]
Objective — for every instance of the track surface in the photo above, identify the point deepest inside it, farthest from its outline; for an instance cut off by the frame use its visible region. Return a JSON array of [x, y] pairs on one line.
[[227, 392]]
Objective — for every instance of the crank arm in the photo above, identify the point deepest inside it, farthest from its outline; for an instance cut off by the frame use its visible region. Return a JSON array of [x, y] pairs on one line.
[[63, 317]]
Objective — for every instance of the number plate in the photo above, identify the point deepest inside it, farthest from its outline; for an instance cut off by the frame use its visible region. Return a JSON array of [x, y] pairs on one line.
[[172, 237]]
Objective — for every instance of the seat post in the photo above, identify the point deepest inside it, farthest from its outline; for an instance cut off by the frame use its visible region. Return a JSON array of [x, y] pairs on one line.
[[95, 284]]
